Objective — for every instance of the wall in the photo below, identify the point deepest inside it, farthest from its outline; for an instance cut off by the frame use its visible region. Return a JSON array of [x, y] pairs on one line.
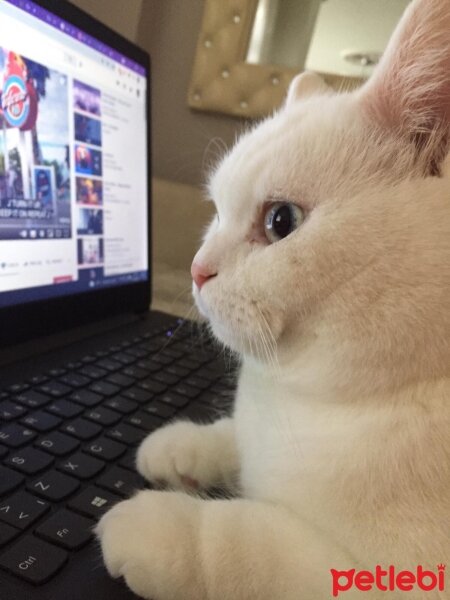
[[357, 25], [123, 16], [168, 29]]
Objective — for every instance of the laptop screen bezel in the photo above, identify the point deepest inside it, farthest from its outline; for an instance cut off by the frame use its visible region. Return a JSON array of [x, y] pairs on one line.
[[40, 317]]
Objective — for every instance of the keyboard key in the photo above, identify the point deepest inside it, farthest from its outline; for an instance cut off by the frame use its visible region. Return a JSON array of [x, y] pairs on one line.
[[154, 387], [138, 395], [32, 399], [38, 379], [174, 400], [93, 502], [74, 380], [64, 408], [10, 411], [177, 370], [197, 382], [29, 461], [87, 359], [9, 480], [15, 436], [41, 421], [120, 481], [93, 372], [22, 509], [144, 421], [129, 461], [109, 365], [105, 449], [123, 358], [162, 359], [57, 444], [167, 378], [136, 372], [17, 388], [206, 375], [121, 380], [55, 389], [57, 372], [81, 466], [33, 560], [86, 398], [53, 486], [104, 388], [4, 395], [173, 352], [126, 434], [189, 363], [81, 429], [73, 365], [186, 390], [122, 405], [102, 416], [7, 533], [150, 365], [163, 411], [137, 352], [66, 529]]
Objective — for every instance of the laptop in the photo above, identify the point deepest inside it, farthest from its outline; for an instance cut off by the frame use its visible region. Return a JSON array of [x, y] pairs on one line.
[[86, 369]]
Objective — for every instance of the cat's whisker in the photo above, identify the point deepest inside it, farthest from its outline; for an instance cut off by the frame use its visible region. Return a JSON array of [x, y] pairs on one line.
[[270, 342]]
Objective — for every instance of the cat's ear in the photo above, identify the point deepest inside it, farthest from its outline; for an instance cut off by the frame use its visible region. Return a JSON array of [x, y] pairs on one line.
[[409, 92], [304, 85]]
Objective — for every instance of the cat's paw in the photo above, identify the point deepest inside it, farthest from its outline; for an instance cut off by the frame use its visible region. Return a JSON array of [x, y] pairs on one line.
[[147, 540], [179, 455]]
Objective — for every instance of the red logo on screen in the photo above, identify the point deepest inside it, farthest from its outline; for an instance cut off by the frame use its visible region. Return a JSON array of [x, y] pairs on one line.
[[15, 102]]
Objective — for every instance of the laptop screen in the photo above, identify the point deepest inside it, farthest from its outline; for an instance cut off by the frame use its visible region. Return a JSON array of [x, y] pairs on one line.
[[73, 159]]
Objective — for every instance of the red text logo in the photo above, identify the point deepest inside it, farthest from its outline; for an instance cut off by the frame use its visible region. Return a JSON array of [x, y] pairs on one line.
[[388, 580]]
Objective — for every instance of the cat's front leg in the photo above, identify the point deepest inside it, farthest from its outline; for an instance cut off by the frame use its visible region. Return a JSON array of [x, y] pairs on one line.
[[173, 546], [185, 454]]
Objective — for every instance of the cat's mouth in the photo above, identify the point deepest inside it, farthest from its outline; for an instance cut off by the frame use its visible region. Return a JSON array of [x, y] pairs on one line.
[[239, 323]]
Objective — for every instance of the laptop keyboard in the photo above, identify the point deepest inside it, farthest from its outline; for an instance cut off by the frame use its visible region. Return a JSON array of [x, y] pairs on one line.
[[68, 439]]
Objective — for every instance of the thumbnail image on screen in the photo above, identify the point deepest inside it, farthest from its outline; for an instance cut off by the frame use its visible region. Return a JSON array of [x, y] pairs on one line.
[[87, 160], [88, 130], [90, 251], [34, 149], [90, 221], [89, 191], [86, 98]]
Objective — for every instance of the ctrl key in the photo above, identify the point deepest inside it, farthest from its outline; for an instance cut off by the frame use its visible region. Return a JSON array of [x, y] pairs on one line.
[[33, 560]]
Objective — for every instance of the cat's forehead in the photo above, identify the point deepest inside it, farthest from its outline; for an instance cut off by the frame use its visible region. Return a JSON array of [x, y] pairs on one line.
[[281, 157]]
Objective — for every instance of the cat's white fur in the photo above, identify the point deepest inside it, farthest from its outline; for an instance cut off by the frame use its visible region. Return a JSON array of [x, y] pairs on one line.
[[341, 429]]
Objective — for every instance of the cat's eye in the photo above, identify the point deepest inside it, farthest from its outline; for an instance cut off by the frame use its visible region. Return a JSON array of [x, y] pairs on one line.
[[281, 219]]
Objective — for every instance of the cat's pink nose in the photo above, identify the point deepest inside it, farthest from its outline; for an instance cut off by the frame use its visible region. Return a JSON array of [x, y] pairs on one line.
[[201, 274]]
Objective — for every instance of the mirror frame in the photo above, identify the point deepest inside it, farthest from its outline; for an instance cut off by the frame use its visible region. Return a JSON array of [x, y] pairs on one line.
[[222, 82]]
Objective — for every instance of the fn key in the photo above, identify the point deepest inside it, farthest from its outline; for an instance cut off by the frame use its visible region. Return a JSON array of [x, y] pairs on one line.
[[33, 560]]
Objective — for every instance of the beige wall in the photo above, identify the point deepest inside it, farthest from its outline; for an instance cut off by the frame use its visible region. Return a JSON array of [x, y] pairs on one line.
[[168, 29], [121, 15]]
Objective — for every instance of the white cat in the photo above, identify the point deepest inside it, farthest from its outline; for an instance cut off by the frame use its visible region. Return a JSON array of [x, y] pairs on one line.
[[328, 269]]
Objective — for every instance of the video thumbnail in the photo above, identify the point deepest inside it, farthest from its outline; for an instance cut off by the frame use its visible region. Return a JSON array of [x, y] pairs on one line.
[[90, 251], [34, 149], [87, 160], [89, 191], [86, 98], [90, 221], [88, 130]]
